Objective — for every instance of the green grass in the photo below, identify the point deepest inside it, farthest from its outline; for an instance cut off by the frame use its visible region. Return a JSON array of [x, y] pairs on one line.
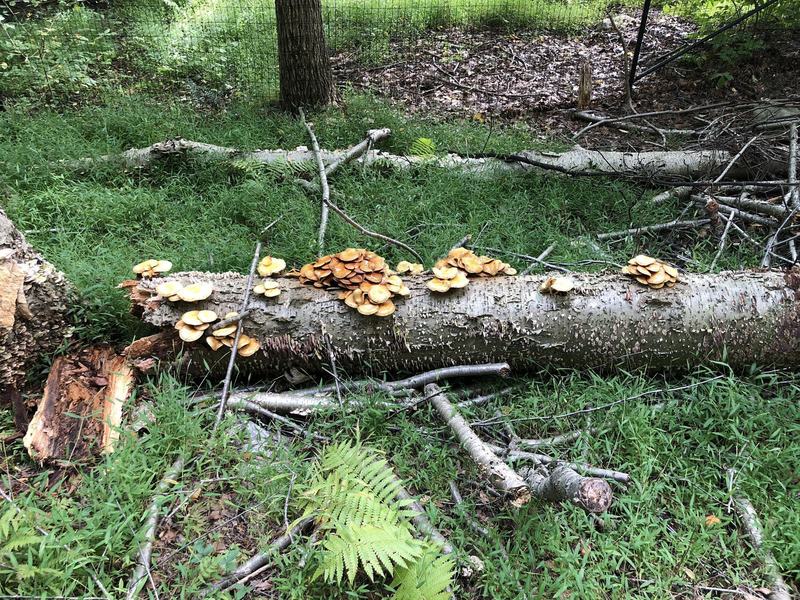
[[209, 216]]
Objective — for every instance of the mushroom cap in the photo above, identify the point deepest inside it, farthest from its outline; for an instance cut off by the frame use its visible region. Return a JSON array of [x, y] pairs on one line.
[[547, 284], [174, 298], [367, 308], [225, 331], [350, 300], [192, 318], [168, 288], [145, 265], [252, 346], [671, 271], [459, 252], [207, 316], [270, 284], [180, 324], [386, 309], [259, 289], [350, 254], [403, 266], [493, 267], [563, 284], [472, 264], [307, 271], [445, 272], [378, 294], [196, 292], [162, 266], [214, 343], [272, 293], [438, 285], [510, 270], [642, 260], [403, 291], [190, 334], [657, 278], [459, 281]]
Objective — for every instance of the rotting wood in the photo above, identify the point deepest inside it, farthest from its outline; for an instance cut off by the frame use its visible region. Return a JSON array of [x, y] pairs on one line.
[[501, 476], [563, 484], [607, 320], [80, 410]]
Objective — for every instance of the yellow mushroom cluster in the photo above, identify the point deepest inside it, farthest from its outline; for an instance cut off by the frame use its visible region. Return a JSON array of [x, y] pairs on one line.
[[268, 288], [152, 267], [175, 290], [195, 323], [560, 285], [368, 283], [408, 267], [453, 271], [269, 266], [651, 272]]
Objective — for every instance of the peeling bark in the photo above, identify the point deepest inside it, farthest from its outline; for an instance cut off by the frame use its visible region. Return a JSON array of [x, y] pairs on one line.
[[34, 302], [741, 318], [563, 484], [81, 407]]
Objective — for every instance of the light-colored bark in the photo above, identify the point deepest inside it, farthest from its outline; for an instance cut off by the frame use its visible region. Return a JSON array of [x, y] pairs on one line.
[[503, 477], [562, 484], [578, 160], [741, 318]]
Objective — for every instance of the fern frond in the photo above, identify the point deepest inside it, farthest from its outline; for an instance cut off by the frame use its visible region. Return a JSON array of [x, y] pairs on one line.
[[378, 549], [424, 147], [427, 578]]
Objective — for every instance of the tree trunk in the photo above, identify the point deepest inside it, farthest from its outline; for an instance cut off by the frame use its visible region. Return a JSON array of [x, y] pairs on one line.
[[607, 320], [305, 70], [34, 302]]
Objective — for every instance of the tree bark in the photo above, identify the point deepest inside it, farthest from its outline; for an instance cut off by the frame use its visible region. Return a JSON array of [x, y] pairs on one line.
[[305, 70], [34, 301], [741, 318], [563, 484]]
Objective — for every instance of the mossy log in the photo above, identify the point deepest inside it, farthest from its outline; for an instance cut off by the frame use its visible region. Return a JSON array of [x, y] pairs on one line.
[[741, 318]]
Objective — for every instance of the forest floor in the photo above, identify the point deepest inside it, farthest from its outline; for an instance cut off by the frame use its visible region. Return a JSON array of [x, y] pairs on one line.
[[669, 533]]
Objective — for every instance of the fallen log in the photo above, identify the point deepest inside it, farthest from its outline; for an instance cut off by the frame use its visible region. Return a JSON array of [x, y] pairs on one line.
[[563, 484], [741, 318], [576, 161], [35, 298]]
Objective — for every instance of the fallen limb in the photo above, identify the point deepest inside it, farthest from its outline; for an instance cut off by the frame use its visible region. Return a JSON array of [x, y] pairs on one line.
[[742, 318], [500, 474], [145, 550], [654, 228], [555, 440], [688, 164], [562, 484], [626, 126], [259, 561], [253, 408], [515, 455], [323, 183], [749, 519], [423, 523]]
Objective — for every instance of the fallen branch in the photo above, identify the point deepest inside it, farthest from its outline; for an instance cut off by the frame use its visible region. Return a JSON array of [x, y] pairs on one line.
[[514, 455], [459, 501], [606, 121], [259, 561], [423, 523], [563, 484], [323, 182], [151, 524], [749, 518], [257, 409], [500, 474], [654, 228], [556, 440]]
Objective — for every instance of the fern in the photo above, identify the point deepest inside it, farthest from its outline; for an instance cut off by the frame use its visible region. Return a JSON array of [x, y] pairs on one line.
[[352, 496], [428, 578], [423, 147]]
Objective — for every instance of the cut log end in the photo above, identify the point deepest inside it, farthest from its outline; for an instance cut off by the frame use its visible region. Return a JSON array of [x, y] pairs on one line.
[[594, 495]]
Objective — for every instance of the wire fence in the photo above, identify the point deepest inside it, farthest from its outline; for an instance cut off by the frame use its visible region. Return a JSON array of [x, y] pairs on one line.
[[218, 48]]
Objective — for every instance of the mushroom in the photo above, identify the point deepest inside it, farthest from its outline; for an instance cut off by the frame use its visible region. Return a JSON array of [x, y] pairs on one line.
[[557, 284], [193, 323], [270, 266], [169, 289], [152, 267], [268, 288], [251, 346], [446, 278], [195, 292], [408, 267], [651, 272]]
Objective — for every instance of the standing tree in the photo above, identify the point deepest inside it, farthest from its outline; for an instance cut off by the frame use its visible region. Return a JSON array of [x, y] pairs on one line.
[[305, 70]]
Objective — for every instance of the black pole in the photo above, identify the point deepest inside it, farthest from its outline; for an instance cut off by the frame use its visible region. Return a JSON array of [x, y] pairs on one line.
[[639, 39]]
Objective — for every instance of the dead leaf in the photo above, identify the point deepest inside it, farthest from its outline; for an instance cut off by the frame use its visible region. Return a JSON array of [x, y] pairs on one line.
[[712, 520]]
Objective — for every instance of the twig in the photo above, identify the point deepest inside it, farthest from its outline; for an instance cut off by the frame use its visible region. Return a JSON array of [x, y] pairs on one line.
[[586, 116], [722, 239], [653, 228], [539, 260], [252, 407], [500, 474], [332, 358], [543, 459], [522, 256], [146, 546], [750, 522], [483, 398], [373, 136], [732, 162], [259, 561], [230, 320], [462, 242], [794, 192], [47, 535], [423, 523], [323, 181], [556, 439], [476, 527], [765, 262], [223, 402]]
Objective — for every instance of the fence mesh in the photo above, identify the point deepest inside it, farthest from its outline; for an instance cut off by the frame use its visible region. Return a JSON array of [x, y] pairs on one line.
[[223, 47]]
